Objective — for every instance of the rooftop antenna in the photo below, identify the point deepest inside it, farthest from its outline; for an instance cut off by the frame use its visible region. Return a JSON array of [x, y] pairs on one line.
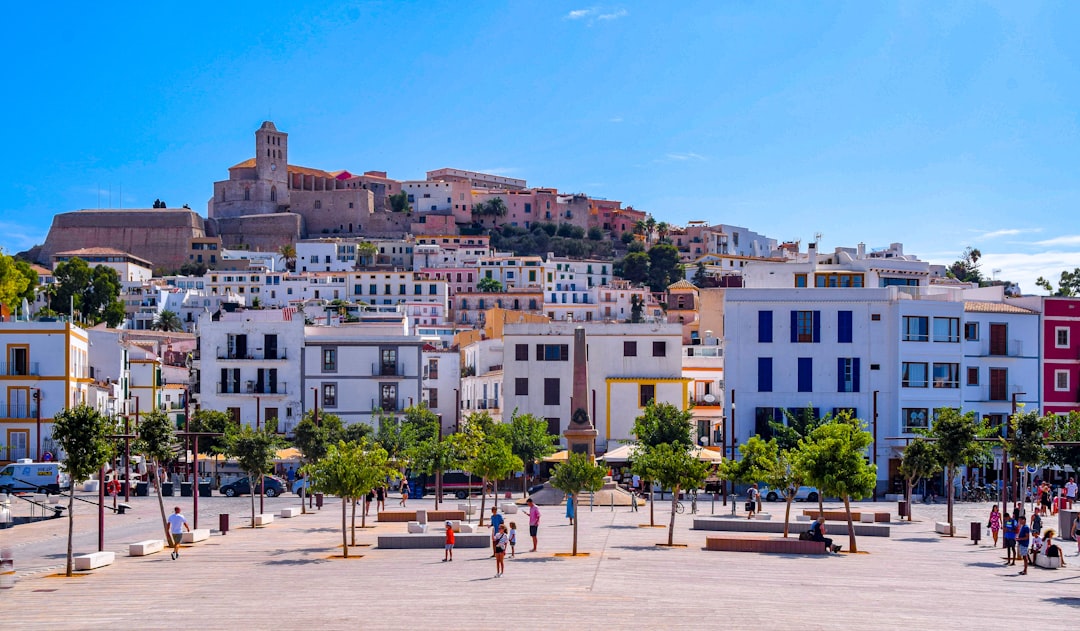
[[817, 238]]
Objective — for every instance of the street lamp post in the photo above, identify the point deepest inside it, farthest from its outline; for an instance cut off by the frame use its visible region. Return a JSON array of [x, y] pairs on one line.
[[875, 446], [37, 407], [1006, 469]]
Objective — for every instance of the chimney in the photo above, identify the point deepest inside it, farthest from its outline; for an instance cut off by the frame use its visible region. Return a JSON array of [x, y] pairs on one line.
[[861, 251], [811, 253]]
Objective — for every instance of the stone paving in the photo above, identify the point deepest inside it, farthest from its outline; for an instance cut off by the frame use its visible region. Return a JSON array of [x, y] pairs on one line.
[[290, 574]]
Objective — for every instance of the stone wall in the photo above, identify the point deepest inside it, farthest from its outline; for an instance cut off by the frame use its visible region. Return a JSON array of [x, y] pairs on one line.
[[265, 233], [161, 236]]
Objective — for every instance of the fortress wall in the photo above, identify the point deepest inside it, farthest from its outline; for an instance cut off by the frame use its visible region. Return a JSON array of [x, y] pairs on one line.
[[265, 233], [162, 236]]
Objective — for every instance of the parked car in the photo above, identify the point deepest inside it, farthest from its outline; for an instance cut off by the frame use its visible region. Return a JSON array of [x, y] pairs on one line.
[[26, 476], [803, 494], [273, 486], [301, 483]]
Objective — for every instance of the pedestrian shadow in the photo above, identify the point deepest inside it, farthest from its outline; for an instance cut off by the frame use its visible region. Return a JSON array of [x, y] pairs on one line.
[[295, 562], [644, 548], [620, 527], [534, 560], [282, 551], [319, 529], [1068, 601], [920, 539], [985, 564]]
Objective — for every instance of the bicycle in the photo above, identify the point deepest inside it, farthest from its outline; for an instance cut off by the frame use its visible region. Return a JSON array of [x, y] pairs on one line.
[[679, 508]]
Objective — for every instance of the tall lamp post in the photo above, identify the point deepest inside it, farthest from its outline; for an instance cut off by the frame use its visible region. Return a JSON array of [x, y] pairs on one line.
[[1006, 469], [37, 411], [730, 437]]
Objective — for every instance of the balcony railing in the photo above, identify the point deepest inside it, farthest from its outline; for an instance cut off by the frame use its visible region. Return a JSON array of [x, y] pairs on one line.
[[707, 401], [487, 404], [280, 387], [388, 369], [392, 407], [23, 410], [19, 369], [224, 353]]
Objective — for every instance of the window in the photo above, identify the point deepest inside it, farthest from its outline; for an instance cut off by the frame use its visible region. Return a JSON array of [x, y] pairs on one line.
[[999, 384], [946, 329], [552, 352], [971, 331], [915, 329], [843, 327], [946, 375], [521, 352], [329, 360], [551, 391], [913, 375], [972, 376], [646, 393], [388, 361], [433, 397], [805, 326], [329, 395], [764, 374], [875, 317], [764, 326], [318, 203], [847, 374], [629, 349], [1061, 337], [806, 374], [553, 425], [838, 280], [1061, 380], [388, 400], [915, 418], [659, 349], [800, 280], [521, 386], [998, 339]]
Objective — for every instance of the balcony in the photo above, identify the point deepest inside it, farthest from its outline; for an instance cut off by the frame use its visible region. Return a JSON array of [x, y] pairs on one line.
[[19, 369], [251, 387], [18, 410], [707, 401], [388, 369], [226, 354], [430, 374], [487, 404], [388, 406]]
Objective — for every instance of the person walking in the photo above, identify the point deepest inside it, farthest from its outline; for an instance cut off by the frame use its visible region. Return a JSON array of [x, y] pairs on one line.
[[177, 525], [570, 508], [501, 540], [534, 520], [994, 523], [448, 555], [1070, 492], [513, 538], [751, 505], [1010, 539], [1076, 532], [380, 498], [1023, 538], [404, 489]]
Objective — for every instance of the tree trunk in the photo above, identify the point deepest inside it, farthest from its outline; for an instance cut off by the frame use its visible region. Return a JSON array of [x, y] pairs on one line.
[[525, 482], [851, 527], [161, 503], [787, 512], [574, 498], [438, 488], [344, 528], [363, 519], [908, 497], [949, 495], [483, 499], [652, 502], [71, 525], [671, 523], [353, 529], [821, 504]]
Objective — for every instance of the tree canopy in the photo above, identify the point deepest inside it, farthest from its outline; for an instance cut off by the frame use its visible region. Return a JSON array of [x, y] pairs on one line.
[[94, 292], [83, 435], [572, 477], [1068, 284], [17, 281], [664, 423], [675, 468]]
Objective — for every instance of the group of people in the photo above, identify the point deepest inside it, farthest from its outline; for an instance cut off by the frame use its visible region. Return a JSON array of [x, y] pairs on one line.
[[1023, 541], [503, 536]]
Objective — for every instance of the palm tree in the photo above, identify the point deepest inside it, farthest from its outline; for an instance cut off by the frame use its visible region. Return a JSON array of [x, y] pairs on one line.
[[288, 251], [662, 229], [168, 321], [650, 224], [639, 227], [368, 251]]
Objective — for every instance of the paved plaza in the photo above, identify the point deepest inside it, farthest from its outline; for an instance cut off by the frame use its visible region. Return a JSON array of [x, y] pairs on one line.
[[285, 576]]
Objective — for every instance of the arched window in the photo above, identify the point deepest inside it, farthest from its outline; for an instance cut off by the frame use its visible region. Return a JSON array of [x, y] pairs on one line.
[[273, 193]]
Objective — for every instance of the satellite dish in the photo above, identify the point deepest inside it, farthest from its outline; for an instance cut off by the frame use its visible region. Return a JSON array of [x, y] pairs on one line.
[[710, 398]]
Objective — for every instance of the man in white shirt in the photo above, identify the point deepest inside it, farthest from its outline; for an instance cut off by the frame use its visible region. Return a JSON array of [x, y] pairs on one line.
[[177, 525], [1070, 491]]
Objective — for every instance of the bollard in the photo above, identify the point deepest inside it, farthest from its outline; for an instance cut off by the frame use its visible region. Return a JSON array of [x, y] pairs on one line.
[[223, 523], [976, 532], [902, 508], [732, 498], [318, 500]]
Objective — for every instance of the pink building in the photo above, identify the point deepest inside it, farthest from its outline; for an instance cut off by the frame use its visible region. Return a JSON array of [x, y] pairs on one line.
[[1061, 355]]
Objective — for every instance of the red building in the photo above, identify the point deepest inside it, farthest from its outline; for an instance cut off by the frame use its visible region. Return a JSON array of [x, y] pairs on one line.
[[1061, 355]]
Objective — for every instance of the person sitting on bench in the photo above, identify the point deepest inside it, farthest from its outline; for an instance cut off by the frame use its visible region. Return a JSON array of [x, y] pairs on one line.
[[1052, 549], [817, 533]]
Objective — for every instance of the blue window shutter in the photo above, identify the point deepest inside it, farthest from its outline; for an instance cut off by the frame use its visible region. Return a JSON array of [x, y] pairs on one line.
[[855, 375], [840, 374], [794, 327], [764, 323], [764, 374], [806, 374], [817, 327], [843, 335]]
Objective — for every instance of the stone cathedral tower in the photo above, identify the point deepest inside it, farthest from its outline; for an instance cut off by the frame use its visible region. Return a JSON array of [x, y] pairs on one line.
[[271, 167]]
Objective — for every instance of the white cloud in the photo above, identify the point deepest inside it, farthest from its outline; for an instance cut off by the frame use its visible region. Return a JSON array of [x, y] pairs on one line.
[[613, 15], [19, 237], [1007, 232], [615, 119], [577, 14], [1066, 240], [682, 157], [593, 14], [508, 171], [1025, 268]]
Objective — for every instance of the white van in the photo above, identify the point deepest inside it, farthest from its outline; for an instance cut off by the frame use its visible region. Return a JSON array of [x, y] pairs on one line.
[[27, 476]]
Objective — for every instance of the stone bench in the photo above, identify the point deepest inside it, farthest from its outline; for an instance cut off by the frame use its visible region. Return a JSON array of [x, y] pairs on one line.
[[839, 515], [508, 508], [942, 528], [762, 544], [761, 516], [94, 560], [144, 548], [416, 527], [432, 540], [195, 536], [292, 511], [794, 528], [403, 516], [467, 509], [264, 519], [1050, 563]]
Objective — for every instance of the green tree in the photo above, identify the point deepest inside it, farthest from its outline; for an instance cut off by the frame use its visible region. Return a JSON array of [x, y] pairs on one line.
[[93, 292], [529, 440], [489, 285], [661, 423], [212, 422], [966, 269], [789, 477], [662, 230], [700, 276], [314, 439], [1068, 284], [436, 455], [350, 471], [596, 234], [288, 252], [157, 443], [956, 437], [492, 461], [390, 434], [760, 462], [1066, 429], [355, 432], [17, 281], [796, 427], [833, 458], [83, 436], [637, 305], [254, 450], [1027, 440], [168, 321], [191, 268], [366, 253], [635, 267], [675, 468], [664, 266], [920, 460], [572, 477], [399, 202]]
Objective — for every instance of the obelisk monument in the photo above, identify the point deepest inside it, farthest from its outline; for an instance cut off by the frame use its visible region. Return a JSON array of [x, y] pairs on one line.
[[580, 433]]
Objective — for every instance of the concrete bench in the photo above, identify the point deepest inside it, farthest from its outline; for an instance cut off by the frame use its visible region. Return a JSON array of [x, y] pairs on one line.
[[433, 516], [292, 511], [867, 518], [467, 509], [416, 527], [942, 528], [432, 540], [1050, 563], [762, 544], [762, 516], [195, 536], [856, 515], [508, 508], [264, 519], [94, 560], [802, 518], [144, 548], [794, 528]]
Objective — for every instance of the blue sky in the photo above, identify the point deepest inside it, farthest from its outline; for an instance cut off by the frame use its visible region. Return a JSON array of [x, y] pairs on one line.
[[934, 124]]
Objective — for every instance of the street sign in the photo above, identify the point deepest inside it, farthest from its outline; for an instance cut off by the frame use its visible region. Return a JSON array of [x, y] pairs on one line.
[[1032, 469]]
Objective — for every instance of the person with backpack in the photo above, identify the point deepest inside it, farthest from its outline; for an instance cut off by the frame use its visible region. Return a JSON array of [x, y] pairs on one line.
[[751, 506], [817, 533], [1009, 531]]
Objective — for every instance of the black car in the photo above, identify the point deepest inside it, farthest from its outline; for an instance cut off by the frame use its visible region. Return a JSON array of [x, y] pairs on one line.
[[273, 486]]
